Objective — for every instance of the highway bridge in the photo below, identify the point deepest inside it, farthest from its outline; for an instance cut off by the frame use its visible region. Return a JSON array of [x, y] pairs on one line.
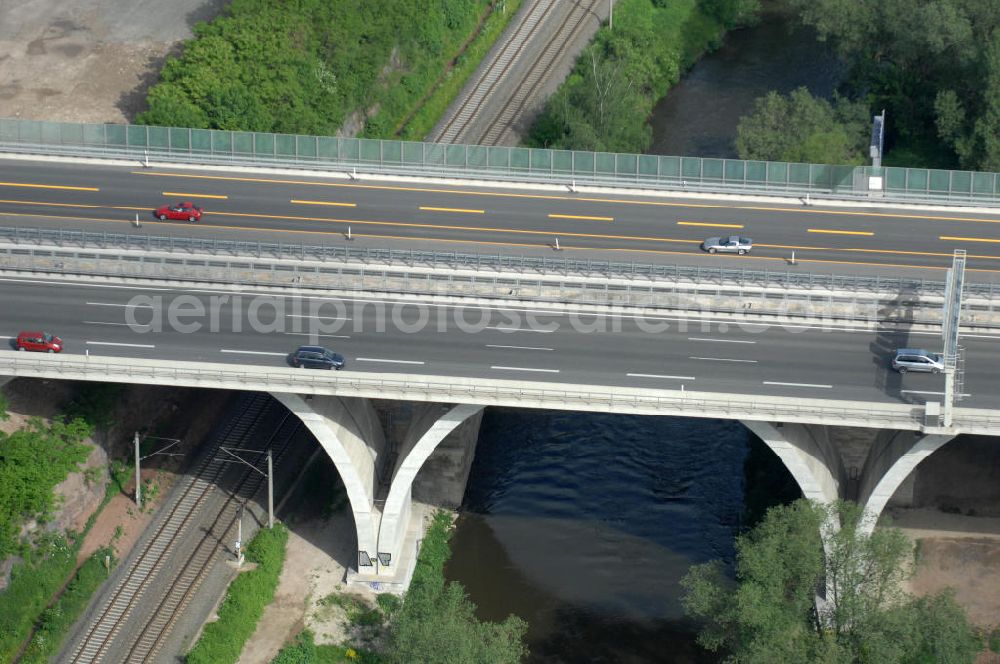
[[790, 380]]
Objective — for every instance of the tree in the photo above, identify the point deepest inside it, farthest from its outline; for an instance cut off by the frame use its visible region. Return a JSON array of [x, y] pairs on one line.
[[802, 128], [437, 622], [903, 56], [770, 612], [440, 627]]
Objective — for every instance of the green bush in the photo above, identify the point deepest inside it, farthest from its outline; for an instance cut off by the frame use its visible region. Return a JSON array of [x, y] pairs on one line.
[[95, 404], [305, 66], [222, 641], [437, 622], [33, 460], [57, 620], [305, 651], [604, 103]]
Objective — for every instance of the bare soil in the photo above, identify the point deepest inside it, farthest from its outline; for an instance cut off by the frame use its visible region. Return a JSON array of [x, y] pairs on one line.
[[960, 552], [88, 60]]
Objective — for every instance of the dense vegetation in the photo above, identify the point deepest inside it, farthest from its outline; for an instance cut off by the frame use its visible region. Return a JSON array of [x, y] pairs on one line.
[[222, 640], [33, 460], [604, 103], [934, 66], [801, 128], [770, 612], [308, 66], [437, 622]]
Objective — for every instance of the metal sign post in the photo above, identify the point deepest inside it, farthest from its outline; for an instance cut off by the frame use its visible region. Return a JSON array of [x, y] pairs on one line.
[[138, 459], [951, 318], [235, 458]]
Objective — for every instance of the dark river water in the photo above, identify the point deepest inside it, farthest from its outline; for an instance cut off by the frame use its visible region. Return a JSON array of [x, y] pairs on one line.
[[699, 116], [583, 524]]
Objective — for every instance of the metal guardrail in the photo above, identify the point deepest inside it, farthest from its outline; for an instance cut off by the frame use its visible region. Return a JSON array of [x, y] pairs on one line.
[[306, 277], [448, 389], [741, 278], [210, 146]]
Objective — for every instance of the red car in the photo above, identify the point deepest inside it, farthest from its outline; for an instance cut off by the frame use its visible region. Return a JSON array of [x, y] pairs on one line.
[[39, 341], [186, 211]]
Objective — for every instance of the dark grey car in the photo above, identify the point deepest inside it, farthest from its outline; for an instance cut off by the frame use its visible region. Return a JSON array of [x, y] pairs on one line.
[[733, 244], [316, 357]]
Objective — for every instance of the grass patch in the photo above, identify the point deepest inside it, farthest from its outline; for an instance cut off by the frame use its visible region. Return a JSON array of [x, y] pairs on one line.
[[994, 640], [305, 651], [223, 640], [355, 609], [57, 620], [34, 581]]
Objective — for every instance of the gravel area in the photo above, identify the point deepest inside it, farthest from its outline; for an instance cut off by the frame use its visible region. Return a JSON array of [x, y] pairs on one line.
[[88, 60]]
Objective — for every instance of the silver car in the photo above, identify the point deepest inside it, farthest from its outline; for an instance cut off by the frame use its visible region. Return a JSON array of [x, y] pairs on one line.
[[917, 359], [734, 244]]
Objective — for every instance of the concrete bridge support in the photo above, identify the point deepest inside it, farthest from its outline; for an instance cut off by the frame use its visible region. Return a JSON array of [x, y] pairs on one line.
[[817, 462], [891, 461], [351, 433], [349, 430]]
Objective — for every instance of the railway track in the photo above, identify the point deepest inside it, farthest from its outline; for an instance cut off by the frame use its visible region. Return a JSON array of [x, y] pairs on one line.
[[100, 641], [171, 606], [481, 99], [487, 81]]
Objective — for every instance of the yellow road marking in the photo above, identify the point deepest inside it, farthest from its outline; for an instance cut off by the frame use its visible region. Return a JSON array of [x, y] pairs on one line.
[[323, 203], [702, 223], [830, 232], [586, 199], [966, 239], [504, 230], [580, 216], [495, 243], [481, 229], [443, 209], [47, 186], [599, 236], [175, 193], [77, 205]]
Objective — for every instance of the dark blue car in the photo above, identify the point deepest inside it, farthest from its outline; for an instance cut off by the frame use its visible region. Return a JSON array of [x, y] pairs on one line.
[[316, 357]]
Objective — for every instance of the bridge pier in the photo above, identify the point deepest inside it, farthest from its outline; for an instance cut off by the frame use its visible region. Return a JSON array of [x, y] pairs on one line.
[[352, 434], [891, 461], [816, 459]]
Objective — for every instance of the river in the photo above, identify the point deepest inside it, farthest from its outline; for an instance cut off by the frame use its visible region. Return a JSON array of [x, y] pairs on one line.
[[583, 524], [699, 116]]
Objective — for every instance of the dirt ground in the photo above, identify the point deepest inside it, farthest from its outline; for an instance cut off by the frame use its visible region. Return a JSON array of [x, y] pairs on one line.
[[88, 60], [957, 551]]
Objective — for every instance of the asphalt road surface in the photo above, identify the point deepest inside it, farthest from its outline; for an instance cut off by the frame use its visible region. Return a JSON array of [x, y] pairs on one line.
[[310, 209], [484, 341]]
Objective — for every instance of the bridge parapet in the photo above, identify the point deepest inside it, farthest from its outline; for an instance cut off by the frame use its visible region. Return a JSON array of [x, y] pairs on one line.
[[741, 295], [497, 392]]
